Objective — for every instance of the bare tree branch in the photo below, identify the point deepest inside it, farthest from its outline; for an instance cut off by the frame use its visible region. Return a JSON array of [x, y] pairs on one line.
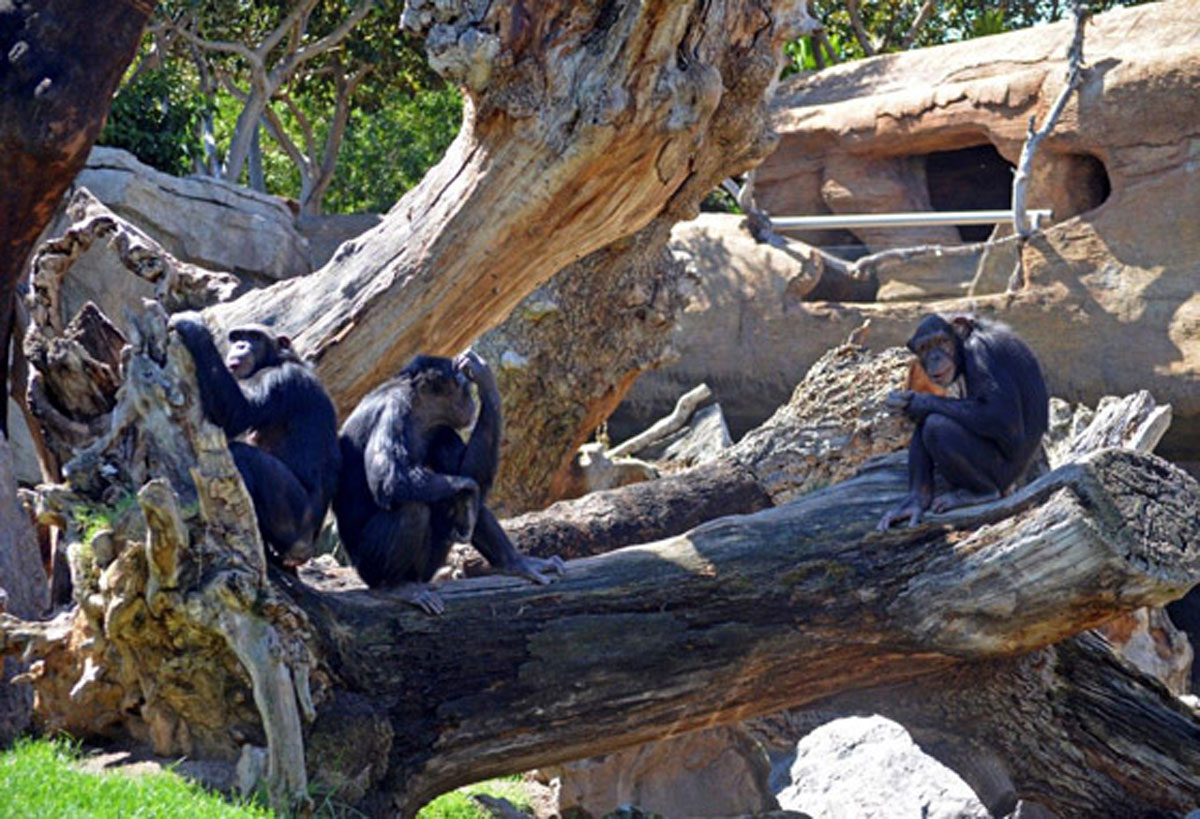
[[860, 30], [923, 16], [1024, 173]]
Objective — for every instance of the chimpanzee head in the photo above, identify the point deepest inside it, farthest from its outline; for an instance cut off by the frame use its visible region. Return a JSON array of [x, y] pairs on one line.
[[939, 344], [253, 347], [441, 393]]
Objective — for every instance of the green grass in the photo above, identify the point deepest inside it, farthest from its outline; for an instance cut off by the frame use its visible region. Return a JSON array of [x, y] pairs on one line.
[[459, 805], [38, 779]]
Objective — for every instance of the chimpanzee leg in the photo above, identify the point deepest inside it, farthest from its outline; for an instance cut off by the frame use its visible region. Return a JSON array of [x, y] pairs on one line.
[[920, 486], [399, 550], [972, 465], [286, 514], [401, 545]]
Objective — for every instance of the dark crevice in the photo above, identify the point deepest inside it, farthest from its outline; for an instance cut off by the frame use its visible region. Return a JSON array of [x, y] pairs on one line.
[[975, 178]]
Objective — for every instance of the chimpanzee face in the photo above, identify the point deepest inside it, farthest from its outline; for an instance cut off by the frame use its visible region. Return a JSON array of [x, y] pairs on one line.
[[448, 394], [938, 353], [251, 349]]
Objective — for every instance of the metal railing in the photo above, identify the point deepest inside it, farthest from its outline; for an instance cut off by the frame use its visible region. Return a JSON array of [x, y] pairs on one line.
[[913, 219]]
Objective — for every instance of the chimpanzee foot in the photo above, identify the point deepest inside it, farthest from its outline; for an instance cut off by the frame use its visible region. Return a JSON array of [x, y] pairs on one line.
[[961, 497], [420, 595], [541, 570], [912, 507]]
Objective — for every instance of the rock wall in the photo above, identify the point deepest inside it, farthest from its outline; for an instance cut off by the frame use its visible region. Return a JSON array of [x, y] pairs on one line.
[[1113, 304], [200, 219]]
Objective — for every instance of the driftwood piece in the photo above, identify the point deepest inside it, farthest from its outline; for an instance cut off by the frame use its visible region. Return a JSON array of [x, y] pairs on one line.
[[1022, 225], [684, 408], [76, 360]]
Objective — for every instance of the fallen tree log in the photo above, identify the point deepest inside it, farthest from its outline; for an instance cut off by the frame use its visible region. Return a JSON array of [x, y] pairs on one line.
[[748, 615], [1070, 727]]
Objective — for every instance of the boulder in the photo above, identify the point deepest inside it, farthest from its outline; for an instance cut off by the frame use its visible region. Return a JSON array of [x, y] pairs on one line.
[[200, 219], [720, 771], [1111, 304], [870, 768]]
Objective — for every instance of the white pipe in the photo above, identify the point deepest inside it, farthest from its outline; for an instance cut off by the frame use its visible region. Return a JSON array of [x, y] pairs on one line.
[[916, 219]]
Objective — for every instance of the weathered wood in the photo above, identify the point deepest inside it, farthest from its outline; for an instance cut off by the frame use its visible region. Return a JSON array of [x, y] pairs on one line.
[[582, 124], [181, 575], [747, 615], [59, 65], [75, 360], [641, 513], [684, 407], [1071, 727]]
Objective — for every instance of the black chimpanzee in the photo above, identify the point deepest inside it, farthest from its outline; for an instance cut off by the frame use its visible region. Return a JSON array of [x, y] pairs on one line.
[[410, 487], [290, 459], [980, 443]]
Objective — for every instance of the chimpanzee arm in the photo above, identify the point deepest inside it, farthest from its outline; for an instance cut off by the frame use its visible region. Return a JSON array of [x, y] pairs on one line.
[[393, 476], [224, 402], [492, 542], [994, 415], [482, 456]]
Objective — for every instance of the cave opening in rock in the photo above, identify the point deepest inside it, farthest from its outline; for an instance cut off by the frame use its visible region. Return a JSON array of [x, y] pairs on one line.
[[975, 178]]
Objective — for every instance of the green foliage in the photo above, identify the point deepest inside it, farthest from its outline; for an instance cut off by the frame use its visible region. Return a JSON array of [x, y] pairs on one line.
[[459, 805], [156, 119], [39, 779], [888, 22], [388, 149]]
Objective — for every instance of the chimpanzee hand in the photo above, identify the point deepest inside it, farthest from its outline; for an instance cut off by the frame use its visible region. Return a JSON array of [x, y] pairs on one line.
[[540, 570], [472, 365], [913, 404], [190, 326], [899, 400]]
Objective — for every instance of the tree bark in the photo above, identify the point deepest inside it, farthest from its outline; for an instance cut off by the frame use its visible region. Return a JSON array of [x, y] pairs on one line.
[[1071, 727], [583, 123], [604, 521], [59, 66]]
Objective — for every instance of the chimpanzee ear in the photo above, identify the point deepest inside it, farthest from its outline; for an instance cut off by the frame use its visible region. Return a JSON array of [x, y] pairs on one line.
[[963, 325], [284, 342]]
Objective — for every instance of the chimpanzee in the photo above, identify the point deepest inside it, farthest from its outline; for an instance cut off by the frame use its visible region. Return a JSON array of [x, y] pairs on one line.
[[410, 487], [980, 443], [289, 459]]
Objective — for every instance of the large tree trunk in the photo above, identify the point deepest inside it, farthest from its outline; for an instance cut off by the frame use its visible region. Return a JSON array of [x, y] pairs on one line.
[[583, 123], [60, 62]]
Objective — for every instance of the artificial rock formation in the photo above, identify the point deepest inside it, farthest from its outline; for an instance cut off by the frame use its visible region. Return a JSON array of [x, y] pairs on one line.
[[200, 219], [1110, 305]]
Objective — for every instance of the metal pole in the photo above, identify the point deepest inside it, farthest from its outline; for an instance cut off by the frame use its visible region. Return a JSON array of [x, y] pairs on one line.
[[915, 219]]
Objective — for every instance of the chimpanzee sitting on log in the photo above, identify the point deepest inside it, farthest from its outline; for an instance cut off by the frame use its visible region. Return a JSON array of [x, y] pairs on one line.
[[289, 460], [410, 487], [982, 443]]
